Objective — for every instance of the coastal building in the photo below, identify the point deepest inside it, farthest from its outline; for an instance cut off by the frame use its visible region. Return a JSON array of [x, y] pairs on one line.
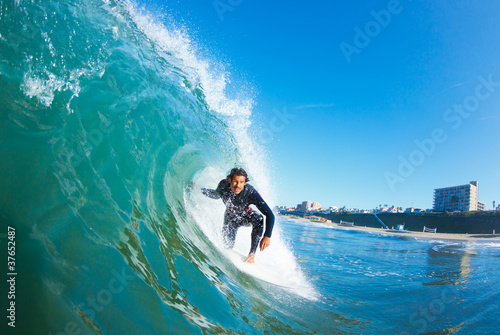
[[334, 209], [285, 208], [315, 206], [304, 207], [412, 210], [394, 209], [462, 198]]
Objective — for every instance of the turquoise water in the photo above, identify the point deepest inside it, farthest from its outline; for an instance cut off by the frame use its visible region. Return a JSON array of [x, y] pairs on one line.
[[108, 115]]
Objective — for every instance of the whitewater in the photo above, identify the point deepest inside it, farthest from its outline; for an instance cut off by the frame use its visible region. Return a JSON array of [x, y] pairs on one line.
[[111, 122]]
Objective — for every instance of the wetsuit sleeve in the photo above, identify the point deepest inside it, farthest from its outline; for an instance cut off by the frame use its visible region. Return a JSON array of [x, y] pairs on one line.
[[214, 194], [264, 209]]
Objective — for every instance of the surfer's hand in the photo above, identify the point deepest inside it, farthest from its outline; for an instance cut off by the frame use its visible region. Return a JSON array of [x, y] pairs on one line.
[[264, 243], [250, 258]]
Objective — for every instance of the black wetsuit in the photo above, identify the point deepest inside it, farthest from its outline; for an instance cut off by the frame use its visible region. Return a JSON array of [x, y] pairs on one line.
[[238, 213]]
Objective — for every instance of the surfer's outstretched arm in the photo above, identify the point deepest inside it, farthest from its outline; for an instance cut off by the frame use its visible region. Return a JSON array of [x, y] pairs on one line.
[[214, 194], [210, 193]]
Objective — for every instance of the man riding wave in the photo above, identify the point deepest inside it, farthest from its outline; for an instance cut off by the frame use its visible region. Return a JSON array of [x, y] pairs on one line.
[[237, 195]]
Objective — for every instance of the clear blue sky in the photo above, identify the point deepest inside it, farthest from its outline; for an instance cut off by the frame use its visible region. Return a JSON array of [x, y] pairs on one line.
[[354, 106]]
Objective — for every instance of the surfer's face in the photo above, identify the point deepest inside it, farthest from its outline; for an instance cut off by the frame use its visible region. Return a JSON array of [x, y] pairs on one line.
[[238, 183]]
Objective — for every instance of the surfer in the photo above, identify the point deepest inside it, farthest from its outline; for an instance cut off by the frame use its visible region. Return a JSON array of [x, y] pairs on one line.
[[237, 195]]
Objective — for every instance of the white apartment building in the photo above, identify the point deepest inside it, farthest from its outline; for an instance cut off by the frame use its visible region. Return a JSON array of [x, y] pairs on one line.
[[462, 198]]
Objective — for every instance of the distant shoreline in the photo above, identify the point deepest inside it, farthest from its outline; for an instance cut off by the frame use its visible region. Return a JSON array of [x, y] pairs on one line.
[[466, 223], [434, 236]]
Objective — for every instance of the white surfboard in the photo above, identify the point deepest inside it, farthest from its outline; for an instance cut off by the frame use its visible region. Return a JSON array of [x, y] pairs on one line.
[[256, 269]]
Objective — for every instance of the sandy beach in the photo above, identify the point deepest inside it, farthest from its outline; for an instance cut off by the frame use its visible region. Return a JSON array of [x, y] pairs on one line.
[[437, 236]]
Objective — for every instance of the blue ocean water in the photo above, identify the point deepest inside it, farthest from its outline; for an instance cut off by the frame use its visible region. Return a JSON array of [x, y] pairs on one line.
[[375, 283], [110, 123]]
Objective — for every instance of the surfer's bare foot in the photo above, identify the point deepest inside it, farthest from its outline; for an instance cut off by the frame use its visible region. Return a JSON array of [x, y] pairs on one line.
[[250, 258]]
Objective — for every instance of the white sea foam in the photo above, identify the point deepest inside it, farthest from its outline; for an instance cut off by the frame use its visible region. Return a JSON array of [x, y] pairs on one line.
[[43, 88], [43, 84]]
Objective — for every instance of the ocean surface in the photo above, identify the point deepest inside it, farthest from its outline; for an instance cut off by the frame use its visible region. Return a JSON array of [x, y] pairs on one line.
[[111, 121]]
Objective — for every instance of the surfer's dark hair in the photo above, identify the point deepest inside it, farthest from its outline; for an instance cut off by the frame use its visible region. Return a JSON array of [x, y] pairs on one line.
[[237, 172]]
